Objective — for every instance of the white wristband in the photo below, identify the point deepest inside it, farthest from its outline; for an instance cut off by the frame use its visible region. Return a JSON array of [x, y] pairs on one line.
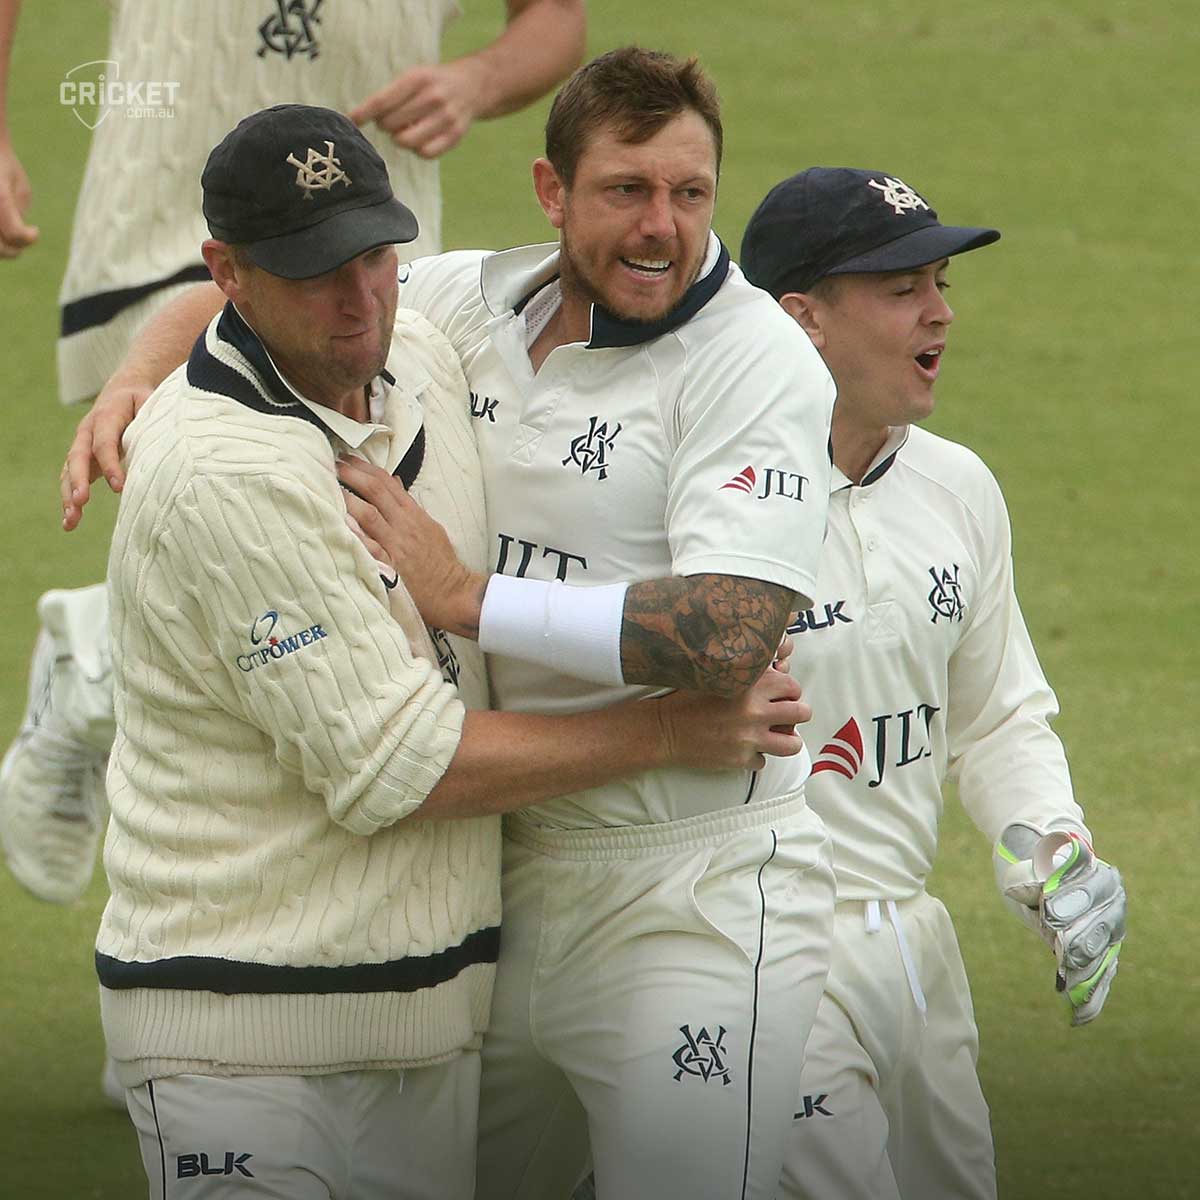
[[573, 630]]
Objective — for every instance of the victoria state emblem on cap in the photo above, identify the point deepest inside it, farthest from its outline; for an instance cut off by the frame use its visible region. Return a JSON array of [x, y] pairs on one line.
[[319, 172], [896, 193]]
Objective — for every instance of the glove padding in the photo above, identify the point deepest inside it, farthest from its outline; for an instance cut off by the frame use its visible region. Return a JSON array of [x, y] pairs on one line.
[[1083, 903], [1074, 900], [1012, 858]]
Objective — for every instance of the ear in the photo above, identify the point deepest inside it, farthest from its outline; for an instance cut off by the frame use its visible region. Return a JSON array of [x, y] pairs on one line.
[[806, 312], [218, 258], [550, 190]]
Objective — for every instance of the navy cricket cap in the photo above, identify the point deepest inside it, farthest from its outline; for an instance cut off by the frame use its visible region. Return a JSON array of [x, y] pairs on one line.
[[302, 190], [842, 221]]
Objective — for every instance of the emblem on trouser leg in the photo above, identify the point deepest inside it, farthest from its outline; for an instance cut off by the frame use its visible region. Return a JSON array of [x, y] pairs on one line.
[[813, 1106], [702, 1055]]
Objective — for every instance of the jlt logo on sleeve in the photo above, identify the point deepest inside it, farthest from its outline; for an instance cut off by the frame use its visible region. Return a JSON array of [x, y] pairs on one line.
[[769, 481]]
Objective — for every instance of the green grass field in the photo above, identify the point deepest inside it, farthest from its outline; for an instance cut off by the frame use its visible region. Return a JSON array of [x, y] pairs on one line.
[[1070, 125]]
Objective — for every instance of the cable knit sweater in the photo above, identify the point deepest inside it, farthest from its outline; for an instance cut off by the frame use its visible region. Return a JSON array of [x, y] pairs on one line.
[[278, 905]]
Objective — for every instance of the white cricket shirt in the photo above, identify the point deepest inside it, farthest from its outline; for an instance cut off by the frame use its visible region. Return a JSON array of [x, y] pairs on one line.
[[694, 445], [918, 665]]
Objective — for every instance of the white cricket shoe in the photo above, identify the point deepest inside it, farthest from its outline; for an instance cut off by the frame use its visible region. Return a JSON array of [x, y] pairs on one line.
[[52, 802]]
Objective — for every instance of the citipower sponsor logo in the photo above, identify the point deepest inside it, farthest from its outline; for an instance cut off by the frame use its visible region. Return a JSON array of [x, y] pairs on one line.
[[94, 90], [268, 645]]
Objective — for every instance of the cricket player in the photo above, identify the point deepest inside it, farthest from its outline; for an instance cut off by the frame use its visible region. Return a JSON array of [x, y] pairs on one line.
[[919, 668], [297, 955], [134, 247], [653, 434]]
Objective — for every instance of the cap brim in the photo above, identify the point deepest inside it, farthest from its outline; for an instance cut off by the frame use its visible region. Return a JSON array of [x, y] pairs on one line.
[[326, 246], [918, 248]]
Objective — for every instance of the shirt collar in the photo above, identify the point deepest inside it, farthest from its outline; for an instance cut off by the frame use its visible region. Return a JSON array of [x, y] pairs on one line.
[[880, 464], [510, 279], [353, 433], [230, 359]]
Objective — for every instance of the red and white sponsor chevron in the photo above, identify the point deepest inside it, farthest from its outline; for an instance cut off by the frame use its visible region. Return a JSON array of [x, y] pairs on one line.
[[843, 753], [744, 481]]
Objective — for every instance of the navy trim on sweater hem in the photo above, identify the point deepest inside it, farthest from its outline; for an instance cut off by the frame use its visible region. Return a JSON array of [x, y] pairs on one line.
[[231, 978]]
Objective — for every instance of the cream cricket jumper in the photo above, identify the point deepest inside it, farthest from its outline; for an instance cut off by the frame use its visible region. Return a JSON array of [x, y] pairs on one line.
[[278, 905]]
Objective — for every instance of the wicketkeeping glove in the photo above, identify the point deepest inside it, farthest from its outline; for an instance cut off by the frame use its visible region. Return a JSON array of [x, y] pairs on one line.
[[1075, 900]]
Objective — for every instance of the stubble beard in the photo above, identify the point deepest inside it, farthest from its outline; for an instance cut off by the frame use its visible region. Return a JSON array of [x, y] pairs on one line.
[[350, 376], [575, 280]]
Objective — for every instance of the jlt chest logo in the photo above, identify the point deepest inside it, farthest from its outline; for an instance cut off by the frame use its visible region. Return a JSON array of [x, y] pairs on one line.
[[510, 545], [590, 451], [771, 481], [945, 597], [291, 29], [702, 1055], [906, 734]]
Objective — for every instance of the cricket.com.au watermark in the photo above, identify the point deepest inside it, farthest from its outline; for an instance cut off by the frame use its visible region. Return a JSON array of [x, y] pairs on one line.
[[94, 90]]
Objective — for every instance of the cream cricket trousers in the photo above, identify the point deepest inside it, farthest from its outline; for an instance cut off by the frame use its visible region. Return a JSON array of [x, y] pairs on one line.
[[354, 1135], [653, 996], [890, 1104]]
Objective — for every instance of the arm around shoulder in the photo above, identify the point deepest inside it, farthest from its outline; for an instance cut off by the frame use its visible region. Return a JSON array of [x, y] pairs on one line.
[[157, 350]]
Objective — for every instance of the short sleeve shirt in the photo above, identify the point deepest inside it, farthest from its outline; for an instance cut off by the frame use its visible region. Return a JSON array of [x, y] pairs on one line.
[[695, 445]]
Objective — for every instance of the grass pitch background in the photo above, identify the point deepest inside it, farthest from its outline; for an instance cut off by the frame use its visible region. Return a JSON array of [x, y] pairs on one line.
[[1071, 126]]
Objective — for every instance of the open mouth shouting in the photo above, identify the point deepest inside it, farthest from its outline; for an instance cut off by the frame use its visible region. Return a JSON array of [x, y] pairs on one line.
[[929, 361], [647, 268]]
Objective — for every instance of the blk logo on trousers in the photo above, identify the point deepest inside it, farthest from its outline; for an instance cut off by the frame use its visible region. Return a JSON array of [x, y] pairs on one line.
[[814, 1106], [188, 1166]]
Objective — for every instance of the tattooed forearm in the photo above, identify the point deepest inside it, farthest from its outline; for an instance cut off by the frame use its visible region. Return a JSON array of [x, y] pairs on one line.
[[707, 633]]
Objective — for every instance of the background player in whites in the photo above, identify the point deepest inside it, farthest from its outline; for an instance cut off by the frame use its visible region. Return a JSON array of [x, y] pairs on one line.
[[918, 666], [665, 936], [135, 244]]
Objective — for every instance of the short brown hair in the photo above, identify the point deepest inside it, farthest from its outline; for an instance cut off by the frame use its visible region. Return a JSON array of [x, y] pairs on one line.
[[636, 92], [825, 289]]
